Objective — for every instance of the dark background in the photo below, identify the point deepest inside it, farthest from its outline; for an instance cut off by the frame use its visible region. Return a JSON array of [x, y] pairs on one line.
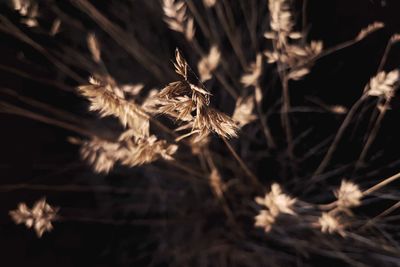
[[38, 154]]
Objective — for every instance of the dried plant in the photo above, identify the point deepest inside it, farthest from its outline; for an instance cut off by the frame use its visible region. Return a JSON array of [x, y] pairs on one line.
[[104, 99], [179, 99], [208, 64], [177, 19], [254, 72], [243, 113], [276, 203], [384, 84], [330, 224], [40, 217], [103, 155], [370, 29], [348, 195], [29, 9], [194, 177]]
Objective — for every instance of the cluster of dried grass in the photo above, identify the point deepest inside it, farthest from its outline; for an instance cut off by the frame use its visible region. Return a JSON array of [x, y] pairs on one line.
[[332, 217], [189, 101], [40, 217]]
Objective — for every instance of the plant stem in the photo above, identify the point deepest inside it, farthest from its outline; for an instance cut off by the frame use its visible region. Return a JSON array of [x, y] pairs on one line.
[[242, 164], [338, 136]]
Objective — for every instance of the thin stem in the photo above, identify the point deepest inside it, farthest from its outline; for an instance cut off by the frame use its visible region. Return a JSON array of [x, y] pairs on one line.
[[381, 184], [265, 128], [199, 19], [330, 50], [285, 115], [8, 27], [250, 28], [385, 55], [221, 198], [339, 136], [241, 163], [234, 43], [373, 134], [128, 42], [304, 15], [36, 79], [11, 109]]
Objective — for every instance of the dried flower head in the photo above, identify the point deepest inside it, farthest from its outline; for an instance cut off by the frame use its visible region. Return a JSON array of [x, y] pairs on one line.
[[103, 98], [330, 224], [370, 29], [100, 154], [211, 120], [180, 64], [265, 220], [29, 9], [296, 55], [39, 217], [384, 84], [145, 150], [209, 63], [253, 73], [187, 102], [281, 19], [290, 54], [348, 195], [243, 113], [129, 151], [277, 202], [177, 18]]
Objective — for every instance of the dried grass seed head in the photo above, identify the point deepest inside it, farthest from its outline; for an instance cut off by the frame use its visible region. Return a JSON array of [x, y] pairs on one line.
[[243, 113], [264, 220], [330, 224], [281, 19], [254, 72], [209, 63], [40, 217], [277, 202], [211, 120], [146, 150], [370, 29], [106, 101], [177, 19], [384, 84], [100, 154], [29, 9], [348, 195]]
